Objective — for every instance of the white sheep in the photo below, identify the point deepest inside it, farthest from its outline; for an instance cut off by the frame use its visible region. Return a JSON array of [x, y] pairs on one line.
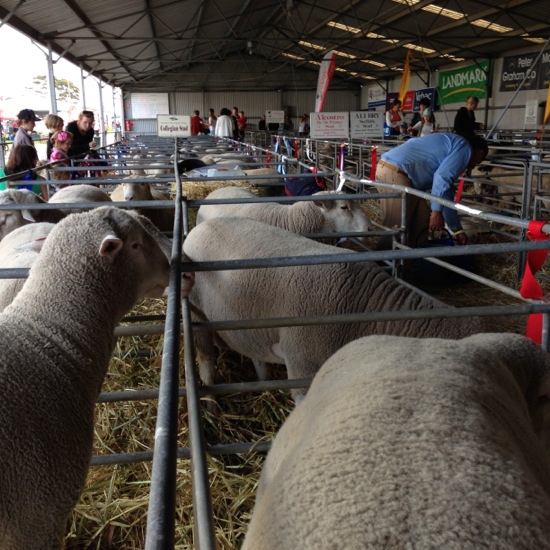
[[163, 218], [12, 219], [57, 339], [296, 291], [80, 193], [319, 216], [19, 249], [413, 443]]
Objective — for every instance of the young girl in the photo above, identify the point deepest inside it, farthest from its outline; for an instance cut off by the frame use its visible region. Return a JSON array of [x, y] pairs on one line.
[[427, 125], [20, 166], [61, 141]]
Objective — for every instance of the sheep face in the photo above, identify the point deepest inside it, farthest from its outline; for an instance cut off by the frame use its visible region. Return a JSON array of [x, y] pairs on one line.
[[344, 215]]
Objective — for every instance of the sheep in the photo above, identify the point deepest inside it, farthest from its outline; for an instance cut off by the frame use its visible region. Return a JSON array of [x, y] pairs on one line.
[[508, 180], [163, 218], [318, 216], [80, 193], [409, 443], [57, 337], [296, 291], [19, 249], [12, 219]]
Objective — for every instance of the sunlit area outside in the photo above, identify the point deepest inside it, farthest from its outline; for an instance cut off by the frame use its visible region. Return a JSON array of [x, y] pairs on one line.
[[24, 85]]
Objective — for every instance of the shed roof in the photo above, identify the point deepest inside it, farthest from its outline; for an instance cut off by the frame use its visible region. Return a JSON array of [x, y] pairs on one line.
[[199, 45]]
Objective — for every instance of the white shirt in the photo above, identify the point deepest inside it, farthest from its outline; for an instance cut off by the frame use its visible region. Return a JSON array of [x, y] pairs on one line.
[[224, 126]]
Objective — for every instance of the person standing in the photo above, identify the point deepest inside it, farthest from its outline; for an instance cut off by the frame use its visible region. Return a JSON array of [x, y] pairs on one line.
[[465, 120], [83, 133], [433, 162], [197, 123], [417, 117], [26, 121], [54, 124], [212, 118], [303, 128], [235, 119], [241, 125], [224, 124]]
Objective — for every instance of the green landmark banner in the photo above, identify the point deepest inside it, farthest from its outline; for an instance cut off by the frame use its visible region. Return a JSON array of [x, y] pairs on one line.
[[456, 85]]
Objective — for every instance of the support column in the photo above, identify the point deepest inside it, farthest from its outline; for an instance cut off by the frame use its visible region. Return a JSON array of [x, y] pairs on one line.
[[82, 88], [103, 137], [51, 81]]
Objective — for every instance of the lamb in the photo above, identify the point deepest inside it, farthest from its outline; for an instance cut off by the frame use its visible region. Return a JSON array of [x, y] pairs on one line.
[[409, 443], [301, 217], [57, 337], [296, 291], [12, 219], [19, 249], [163, 218], [80, 193]]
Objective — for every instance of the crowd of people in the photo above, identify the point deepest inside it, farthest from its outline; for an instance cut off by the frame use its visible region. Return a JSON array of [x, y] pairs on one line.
[[432, 163]]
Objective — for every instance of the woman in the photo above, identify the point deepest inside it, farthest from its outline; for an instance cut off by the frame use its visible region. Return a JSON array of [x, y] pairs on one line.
[[26, 121], [395, 120], [20, 168], [83, 134]]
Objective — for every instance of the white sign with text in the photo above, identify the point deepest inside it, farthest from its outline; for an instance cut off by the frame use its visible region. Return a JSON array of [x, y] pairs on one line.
[[329, 125], [173, 125], [366, 124], [274, 117]]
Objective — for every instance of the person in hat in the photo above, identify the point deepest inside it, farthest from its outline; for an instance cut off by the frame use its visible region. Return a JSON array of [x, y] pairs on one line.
[[426, 126], [26, 121]]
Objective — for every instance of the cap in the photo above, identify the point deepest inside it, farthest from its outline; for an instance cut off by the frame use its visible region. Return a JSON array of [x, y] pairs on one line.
[[27, 114], [427, 112]]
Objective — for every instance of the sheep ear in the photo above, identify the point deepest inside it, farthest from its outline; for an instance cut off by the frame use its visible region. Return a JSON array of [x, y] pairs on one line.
[[35, 245], [322, 204], [110, 246], [26, 214]]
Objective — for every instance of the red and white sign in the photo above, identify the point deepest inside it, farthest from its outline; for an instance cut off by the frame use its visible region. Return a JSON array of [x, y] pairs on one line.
[[329, 125], [326, 72]]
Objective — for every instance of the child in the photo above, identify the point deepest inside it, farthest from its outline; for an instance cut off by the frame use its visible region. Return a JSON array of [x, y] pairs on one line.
[[427, 125], [62, 142], [54, 124], [241, 125], [20, 167]]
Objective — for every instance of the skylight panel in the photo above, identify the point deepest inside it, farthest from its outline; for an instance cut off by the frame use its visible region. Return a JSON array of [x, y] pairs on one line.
[[371, 62], [491, 26], [292, 56], [347, 28], [418, 48], [310, 45], [451, 14]]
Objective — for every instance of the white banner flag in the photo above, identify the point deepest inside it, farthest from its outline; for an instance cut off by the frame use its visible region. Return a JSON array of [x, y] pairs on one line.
[[326, 71]]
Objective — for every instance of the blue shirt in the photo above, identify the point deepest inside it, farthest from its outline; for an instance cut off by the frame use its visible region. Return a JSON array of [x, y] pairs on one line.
[[434, 161]]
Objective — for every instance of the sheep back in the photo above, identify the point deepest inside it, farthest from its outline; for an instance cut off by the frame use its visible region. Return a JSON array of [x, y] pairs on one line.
[[408, 443], [18, 250], [57, 338], [337, 288], [12, 219]]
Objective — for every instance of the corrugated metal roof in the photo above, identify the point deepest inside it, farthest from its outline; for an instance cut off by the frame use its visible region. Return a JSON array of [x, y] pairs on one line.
[[261, 44]]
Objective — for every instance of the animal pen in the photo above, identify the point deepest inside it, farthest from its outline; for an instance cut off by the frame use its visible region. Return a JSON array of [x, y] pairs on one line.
[[179, 443]]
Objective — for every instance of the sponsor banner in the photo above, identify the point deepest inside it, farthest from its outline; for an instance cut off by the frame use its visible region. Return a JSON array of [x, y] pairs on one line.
[[515, 68], [326, 72], [421, 94], [376, 96], [544, 72], [329, 125], [173, 125], [365, 124], [408, 101], [274, 117], [531, 113], [456, 85]]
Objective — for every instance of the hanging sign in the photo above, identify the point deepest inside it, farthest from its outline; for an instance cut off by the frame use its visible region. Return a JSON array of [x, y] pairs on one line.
[[329, 125], [456, 85], [365, 124], [173, 125]]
